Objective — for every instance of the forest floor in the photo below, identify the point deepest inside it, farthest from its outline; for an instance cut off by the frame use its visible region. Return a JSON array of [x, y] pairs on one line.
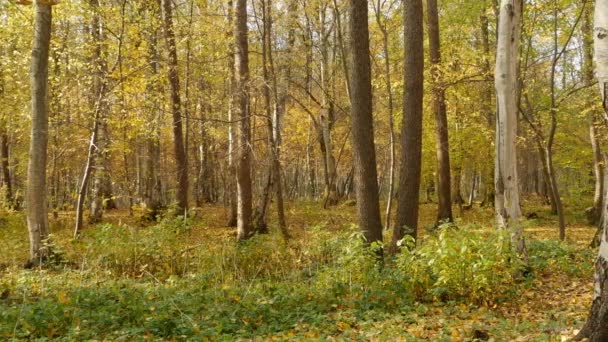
[[189, 280]]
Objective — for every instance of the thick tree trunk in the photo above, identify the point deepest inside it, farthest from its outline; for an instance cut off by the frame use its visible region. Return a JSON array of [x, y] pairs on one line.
[[506, 181], [37, 219], [181, 194], [596, 328], [364, 152], [406, 219], [442, 147], [243, 164]]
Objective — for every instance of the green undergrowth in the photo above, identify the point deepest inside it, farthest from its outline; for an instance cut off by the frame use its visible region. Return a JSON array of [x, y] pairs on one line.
[[178, 280]]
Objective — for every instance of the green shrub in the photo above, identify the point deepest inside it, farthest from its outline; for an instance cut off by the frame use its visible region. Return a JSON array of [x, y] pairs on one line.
[[459, 265]]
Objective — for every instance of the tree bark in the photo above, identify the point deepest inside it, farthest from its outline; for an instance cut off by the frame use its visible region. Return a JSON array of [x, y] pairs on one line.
[[406, 219], [232, 198], [151, 163], [37, 219], [4, 165], [243, 164], [487, 109], [506, 182], [82, 192], [364, 152], [596, 328], [181, 194], [444, 213], [592, 118], [391, 126], [96, 161]]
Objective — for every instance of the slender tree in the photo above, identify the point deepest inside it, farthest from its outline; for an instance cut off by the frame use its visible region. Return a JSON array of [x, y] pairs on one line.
[[442, 147], [181, 194], [406, 219], [37, 219], [243, 163], [232, 197], [390, 104], [592, 117]]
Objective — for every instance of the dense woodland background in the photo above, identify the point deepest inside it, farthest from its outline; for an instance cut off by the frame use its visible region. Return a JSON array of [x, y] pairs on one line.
[[177, 127]]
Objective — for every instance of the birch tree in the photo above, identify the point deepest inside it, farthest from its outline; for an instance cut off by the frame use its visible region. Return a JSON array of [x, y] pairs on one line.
[[596, 328]]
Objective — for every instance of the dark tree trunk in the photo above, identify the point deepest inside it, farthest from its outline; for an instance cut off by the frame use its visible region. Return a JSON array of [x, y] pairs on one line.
[[364, 152], [151, 164], [444, 213], [181, 194], [406, 219], [232, 198], [4, 165]]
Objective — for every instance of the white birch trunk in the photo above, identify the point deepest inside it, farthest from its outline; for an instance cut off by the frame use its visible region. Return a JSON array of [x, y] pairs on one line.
[[595, 328], [507, 193], [600, 42]]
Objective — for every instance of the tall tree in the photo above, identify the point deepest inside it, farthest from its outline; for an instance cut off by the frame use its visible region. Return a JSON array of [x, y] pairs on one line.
[[232, 197], [442, 147], [596, 328], [37, 219], [391, 127], [96, 144], [5, 178], [406, 219], [181, 194], [364, 152], [592, 117], [243, 163], [508, 212]]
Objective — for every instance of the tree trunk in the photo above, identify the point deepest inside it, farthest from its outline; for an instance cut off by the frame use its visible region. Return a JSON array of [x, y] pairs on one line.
[[391, 128], [487, 109], [457, 189], [4, 165], [232, 211], [444, 189], [181, 194], [406, 219], [37, 219], [596, 328], [243, 164], [364, 152], [553, 129], [151, 163], [592, 118], [506, 183], [82, 192]]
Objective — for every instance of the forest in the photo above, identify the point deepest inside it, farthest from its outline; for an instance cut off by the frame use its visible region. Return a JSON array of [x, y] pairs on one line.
[[304, 170]]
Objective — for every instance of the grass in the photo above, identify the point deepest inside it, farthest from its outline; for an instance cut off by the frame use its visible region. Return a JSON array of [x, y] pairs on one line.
[[183, 281]]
